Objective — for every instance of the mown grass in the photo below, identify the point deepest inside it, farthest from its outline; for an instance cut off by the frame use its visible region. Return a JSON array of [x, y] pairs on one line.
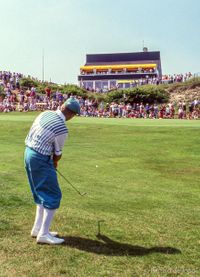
[[141, 177]]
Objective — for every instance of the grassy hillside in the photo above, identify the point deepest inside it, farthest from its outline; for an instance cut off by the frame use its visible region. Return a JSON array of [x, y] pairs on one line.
[[185, 91]]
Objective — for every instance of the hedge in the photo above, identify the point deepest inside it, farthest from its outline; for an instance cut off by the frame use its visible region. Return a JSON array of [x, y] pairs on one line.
[[146, 94]]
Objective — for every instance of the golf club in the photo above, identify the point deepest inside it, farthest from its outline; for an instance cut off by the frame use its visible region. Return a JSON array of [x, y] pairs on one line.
[[82, 194]]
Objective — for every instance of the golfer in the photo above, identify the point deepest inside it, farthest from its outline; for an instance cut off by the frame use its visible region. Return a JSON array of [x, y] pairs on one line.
[[44, 145]]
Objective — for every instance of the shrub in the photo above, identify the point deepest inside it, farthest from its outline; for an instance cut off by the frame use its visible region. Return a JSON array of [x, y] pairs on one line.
[[28, 83], [73, 90], [146, 94], [1, 89]]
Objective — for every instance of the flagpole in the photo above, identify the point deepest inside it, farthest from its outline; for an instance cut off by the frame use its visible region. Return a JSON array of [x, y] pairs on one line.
[[43, 65]]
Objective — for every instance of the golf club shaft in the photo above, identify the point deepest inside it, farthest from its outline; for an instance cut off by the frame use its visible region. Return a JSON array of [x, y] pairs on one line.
[[82, 194]]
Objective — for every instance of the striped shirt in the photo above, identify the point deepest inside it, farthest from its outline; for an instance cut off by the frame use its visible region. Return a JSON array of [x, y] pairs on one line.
[[48, 133]]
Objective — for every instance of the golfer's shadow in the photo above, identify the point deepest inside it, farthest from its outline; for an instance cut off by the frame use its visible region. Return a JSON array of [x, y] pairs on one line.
[[113, 248]]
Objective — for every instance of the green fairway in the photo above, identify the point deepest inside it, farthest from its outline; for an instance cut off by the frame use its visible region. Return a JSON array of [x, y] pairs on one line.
[[141, 177]]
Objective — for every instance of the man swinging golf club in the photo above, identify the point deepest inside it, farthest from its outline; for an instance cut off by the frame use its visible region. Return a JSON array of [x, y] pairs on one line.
[[44, 144]]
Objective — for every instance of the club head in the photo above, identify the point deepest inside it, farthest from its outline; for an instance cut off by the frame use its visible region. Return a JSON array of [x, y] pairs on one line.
[[99, 228]]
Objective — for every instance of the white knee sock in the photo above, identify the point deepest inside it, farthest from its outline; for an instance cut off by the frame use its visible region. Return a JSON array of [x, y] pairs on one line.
[[47, 218], [38, 217]]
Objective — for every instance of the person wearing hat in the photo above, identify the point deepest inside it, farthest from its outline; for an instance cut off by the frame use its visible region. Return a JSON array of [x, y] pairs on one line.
[[44, 144]]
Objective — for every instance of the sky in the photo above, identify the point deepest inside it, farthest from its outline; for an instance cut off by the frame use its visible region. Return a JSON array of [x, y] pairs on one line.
[[66, 30]]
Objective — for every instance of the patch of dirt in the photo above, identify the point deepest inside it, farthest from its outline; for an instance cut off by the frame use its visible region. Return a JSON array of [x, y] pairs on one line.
[[187, 94]]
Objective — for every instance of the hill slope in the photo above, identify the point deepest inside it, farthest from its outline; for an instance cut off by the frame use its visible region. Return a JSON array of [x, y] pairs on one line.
[[187, 91]]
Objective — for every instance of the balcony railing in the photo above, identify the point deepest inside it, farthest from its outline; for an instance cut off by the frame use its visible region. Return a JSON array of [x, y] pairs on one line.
[[119, 73]]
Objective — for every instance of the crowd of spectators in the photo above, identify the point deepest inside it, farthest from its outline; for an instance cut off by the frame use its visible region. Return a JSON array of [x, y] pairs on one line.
[[176, 78], [10, 81], [147, 80], [141, 110], [17, 99], [167, 79], [30, 101]]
